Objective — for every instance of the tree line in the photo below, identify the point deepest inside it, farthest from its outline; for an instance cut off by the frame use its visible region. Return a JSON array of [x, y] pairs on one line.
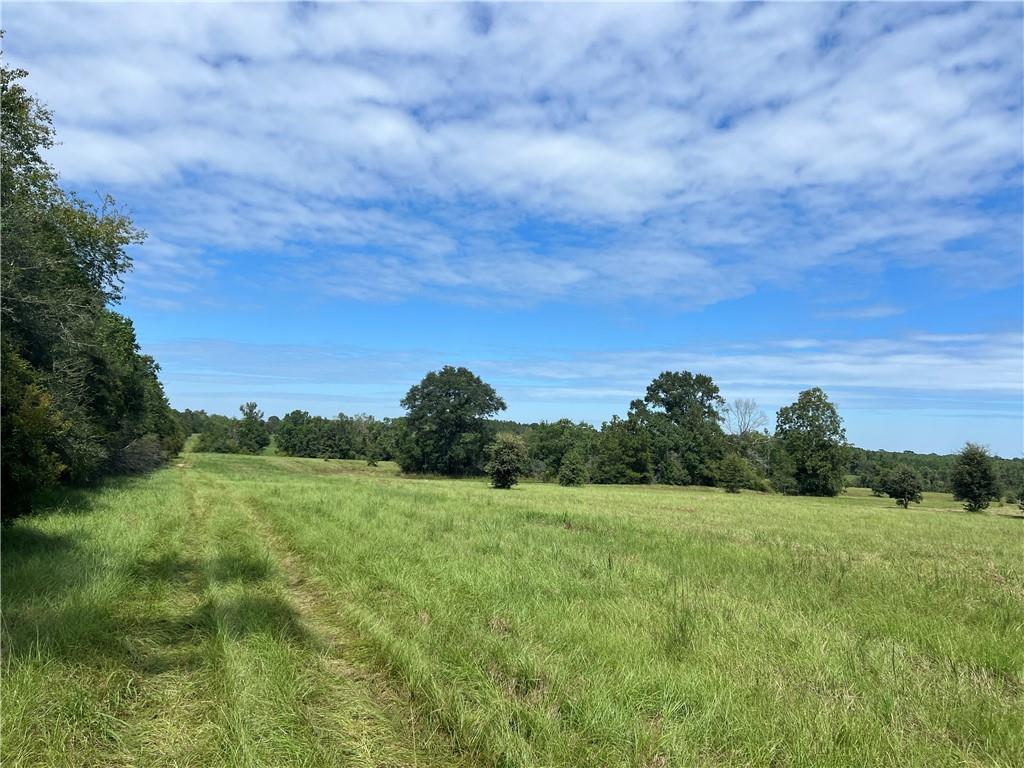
[[681, 432], [78, 400]]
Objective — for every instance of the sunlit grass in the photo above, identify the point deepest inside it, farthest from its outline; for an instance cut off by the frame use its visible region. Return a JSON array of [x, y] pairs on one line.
[[275, 611]]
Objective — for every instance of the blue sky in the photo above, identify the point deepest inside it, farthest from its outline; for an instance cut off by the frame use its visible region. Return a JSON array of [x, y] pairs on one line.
[[568, 199]]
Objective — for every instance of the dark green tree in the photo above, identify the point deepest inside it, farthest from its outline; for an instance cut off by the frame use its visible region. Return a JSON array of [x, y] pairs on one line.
[[734, 472], [219, 436], [506, 460], [683, 413], [252, 433], [80, 397], [550, 442], [811, 433], [622, 453], [902, 484], [973, 479], [445, 427], [573, 469]]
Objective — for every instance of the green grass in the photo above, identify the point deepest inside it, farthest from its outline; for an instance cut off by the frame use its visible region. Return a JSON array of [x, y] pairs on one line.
[[268, 611]]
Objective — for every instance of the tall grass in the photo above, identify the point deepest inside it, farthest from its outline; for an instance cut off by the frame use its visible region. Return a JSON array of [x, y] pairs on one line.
[[274, 611]]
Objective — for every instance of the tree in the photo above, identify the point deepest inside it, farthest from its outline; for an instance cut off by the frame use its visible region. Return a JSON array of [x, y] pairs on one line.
[[573, 468], [506, 459], [902, 484], [220, 436], [550, 443], [682, 413], [252, 433], [79, 400], [445, 428], [734, 473], [623, 452], [744, 417], [811, 433], [973, 479]]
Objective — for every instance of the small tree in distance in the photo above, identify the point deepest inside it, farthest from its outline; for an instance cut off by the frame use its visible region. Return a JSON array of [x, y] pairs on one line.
[[973, 479], [904, 485], [252, 434], [573, 471], [734, 473], [507, 460]]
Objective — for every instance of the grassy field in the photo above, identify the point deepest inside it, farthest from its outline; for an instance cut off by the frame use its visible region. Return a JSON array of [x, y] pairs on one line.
[[266, 611]]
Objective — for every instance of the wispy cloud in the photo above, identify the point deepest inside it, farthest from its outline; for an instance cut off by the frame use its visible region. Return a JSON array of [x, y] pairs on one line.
[[686, 154], [972, 375]]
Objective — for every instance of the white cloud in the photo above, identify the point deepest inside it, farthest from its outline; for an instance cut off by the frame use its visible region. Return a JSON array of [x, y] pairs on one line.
[[683, 153], [891, 391]]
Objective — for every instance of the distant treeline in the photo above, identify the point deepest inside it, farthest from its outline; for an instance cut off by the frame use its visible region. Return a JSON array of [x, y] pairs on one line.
[[681, 432], [935, 470], [79, 401]]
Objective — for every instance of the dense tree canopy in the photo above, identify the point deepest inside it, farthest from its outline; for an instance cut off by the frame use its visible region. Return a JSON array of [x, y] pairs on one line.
[[973, 478], [78, 397], [446, 428], [903, 484], [506, 460], [810, 432], [683, 414]]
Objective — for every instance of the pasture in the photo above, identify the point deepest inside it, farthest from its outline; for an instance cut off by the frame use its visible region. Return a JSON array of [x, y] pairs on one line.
[[269, 611]]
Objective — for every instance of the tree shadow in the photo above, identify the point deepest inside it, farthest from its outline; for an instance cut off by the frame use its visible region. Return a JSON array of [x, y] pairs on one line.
[[70, 623]]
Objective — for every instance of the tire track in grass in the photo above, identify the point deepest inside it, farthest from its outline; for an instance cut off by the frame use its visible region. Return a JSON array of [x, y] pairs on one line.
[[350, 715]]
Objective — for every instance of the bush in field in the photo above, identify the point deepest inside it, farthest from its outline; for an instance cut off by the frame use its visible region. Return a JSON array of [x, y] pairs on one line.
[[973, 480], [735, 472], [811, 433], [506, 460], [573, 469], [903, 484], [252, 434]]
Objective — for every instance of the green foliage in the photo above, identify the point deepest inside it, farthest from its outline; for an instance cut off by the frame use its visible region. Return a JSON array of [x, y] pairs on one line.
[[573, 469], [445, 429], [220, 436], [506, 460], [622, 453], [32, 428], [735, 472], [902, 484], [811, 433], [935, 469], [80, 396], [252, 434], [973, 479], [550, 443], [344, 437], [683, 414]]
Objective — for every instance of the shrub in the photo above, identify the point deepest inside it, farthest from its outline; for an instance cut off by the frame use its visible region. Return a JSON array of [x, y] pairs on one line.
[[574, 471], [734, 472], [973, 479], [507, 460], [904, 485]]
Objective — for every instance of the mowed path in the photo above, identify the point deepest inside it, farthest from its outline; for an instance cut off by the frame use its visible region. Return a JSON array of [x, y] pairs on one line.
[[161, 624], [258, 611]]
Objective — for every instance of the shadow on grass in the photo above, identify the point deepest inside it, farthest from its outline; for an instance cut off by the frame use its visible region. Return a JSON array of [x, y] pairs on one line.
[[78, 622]]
